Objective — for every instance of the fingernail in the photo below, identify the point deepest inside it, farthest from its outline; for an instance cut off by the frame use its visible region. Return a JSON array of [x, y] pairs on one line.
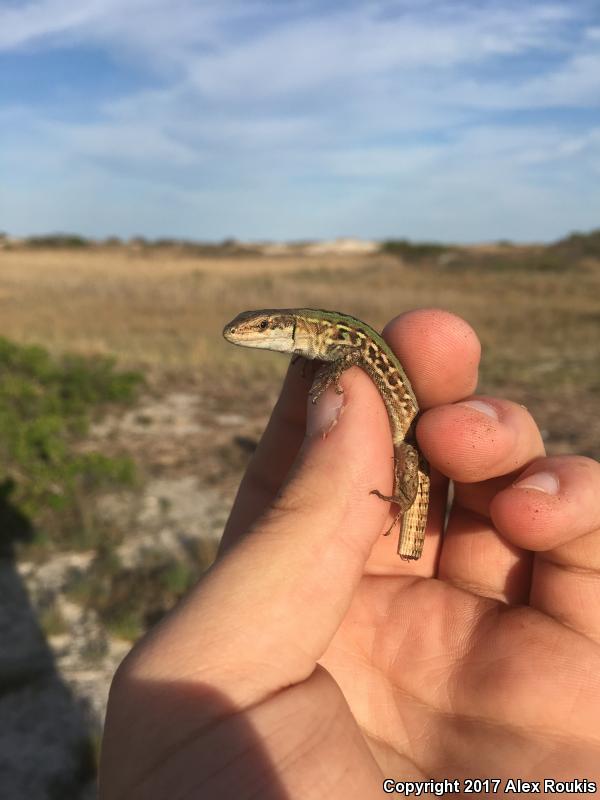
[[546, 482], [323, 415], [479, 405]]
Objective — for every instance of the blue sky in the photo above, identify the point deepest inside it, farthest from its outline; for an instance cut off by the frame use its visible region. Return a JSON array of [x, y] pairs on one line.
[[292, 119]]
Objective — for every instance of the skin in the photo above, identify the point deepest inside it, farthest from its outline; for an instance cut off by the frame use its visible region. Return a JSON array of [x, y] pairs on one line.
[[310, 662]]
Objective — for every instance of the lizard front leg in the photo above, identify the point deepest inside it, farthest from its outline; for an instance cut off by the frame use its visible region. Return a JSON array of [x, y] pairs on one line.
[[307, 366], [331, 372]]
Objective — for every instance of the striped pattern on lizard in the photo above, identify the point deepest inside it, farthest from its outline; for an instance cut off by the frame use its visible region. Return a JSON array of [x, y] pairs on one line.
[[342, 341]]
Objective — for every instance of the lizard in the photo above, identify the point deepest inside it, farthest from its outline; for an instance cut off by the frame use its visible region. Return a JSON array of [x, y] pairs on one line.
[[342, 341]]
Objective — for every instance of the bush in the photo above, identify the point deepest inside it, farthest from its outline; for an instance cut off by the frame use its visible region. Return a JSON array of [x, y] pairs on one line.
[[413, 251], [578, 246], [58, 240], [45, 406], [128, 600]]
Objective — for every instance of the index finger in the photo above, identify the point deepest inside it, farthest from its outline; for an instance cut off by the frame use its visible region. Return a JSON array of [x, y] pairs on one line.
[[440, 353]]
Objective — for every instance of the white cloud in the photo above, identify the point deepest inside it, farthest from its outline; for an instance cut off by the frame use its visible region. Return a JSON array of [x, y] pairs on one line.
[[121, 142], [358, 45], [148, 27], [24, 24]]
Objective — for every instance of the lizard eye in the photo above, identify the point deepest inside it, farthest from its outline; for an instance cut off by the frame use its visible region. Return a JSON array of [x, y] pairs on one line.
[[264, 324]]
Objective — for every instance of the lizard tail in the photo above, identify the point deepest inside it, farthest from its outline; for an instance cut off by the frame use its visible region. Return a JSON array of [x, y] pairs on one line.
[[414, 520]]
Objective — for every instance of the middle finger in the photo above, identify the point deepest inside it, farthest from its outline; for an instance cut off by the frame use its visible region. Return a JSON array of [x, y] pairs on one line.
[[482, 444]]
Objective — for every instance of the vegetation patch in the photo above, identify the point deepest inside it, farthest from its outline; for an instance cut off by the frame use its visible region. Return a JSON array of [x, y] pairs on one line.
[[414, 251], [45, 408], [128, 600], [578, 246], [510, 260], [52, 622], [57, 240]]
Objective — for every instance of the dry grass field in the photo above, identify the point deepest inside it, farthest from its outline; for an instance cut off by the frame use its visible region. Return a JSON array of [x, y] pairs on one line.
[[163, 311]]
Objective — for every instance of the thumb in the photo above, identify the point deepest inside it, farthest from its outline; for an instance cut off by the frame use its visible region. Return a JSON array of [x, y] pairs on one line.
[[269, 606]]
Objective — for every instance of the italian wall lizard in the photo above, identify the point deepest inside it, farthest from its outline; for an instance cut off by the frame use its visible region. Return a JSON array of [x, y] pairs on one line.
[[342, 341]]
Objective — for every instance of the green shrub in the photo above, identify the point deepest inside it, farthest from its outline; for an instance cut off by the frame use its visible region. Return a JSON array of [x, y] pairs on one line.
[[58, 240], [578, 246], [128, 600], [413, 251], [45, 406]]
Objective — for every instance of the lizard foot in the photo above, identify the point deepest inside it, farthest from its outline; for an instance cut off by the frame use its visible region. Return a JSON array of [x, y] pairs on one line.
[[389, 498], [399, 501], [322, 382]]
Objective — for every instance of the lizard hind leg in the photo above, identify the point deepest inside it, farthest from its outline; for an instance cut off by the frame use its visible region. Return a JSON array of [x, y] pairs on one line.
[[411, 486], [413, 518], [406, 481], [406, 467]]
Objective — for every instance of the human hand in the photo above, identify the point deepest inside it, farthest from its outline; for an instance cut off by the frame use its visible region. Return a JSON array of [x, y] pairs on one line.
[[311, 662]]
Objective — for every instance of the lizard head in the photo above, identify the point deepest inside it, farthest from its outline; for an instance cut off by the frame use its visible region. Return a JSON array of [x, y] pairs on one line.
[[267, 329]]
